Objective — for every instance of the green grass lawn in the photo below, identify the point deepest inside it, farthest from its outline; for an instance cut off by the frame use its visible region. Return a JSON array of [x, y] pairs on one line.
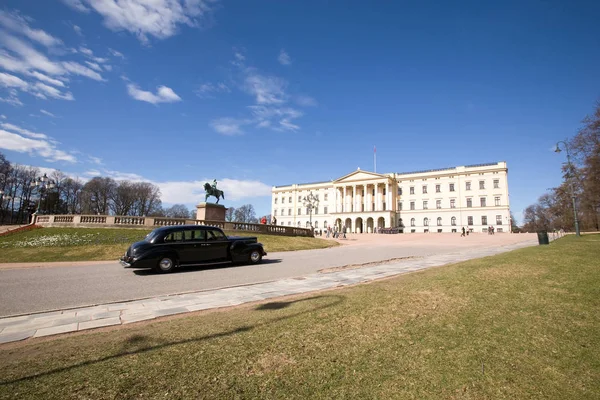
[[521, 325], [88, 244]]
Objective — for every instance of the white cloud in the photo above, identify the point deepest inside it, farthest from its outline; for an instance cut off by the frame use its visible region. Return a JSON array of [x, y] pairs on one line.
[[48, 113], [79, 69], [2, 116], [95, 160], [47, 79], [37, 89], [12, 98], [41, 90], [31, 59], [86, 51], [207, 90], [164, 94], [284, 58], [115, 53], [77, 5], [228, 126], [279, 119], [23, 131], [18, 24], [266, 89], [78, 30], [15, 142], [158, 18], [94, 66], [8, 80]]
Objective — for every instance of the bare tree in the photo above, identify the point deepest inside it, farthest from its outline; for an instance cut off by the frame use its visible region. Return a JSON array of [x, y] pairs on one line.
[[147, 199], [71, 192], [245, 213], [98, 195], [230, 214], [177, 211], [123, 198]]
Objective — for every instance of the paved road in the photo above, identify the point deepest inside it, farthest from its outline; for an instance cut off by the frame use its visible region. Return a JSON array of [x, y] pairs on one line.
[[28, 290]]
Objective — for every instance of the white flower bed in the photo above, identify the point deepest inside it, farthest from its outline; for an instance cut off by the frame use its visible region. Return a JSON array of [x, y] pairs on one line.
[[64, 239]]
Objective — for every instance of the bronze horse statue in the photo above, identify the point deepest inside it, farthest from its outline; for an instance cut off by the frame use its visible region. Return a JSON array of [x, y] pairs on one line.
[[210, 191]]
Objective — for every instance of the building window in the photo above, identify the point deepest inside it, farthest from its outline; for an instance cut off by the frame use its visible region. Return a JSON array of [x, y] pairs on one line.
[[439, 231], [438, 204], [469, 220], [498, 219], [424, 189], [275, 200], [484, 220], [439, 221], [412, 205], [384, 193], [384, 206], [425, 221], [275, 212], [468, 185], [482, 201], [497, 200], [412, 222], [496, 184], [289, 223], [399, 191], [399, 205], [316, 210], [469, 202], [425, 204], [299, 198], [289, 211], [316, 224], [290, 200], [481, 184], [325, 225], [438, 188], [299, 211], [452, 187], [453, 221], [325, 197], [373, 193], [452, 203], [412, 190], [325, 210]]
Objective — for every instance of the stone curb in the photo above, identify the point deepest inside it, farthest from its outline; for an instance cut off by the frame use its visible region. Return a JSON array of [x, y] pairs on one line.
[[78, 319]]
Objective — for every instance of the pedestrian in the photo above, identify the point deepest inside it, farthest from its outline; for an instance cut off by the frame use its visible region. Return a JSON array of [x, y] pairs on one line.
[[274, 222], [344, 232], [463, 232]]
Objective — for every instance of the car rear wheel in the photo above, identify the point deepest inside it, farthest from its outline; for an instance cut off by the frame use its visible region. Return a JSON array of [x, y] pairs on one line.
[[165, 264], [255, 257]]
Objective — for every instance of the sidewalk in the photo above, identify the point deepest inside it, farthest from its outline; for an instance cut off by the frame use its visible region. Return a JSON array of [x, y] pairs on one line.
[[79, 319]]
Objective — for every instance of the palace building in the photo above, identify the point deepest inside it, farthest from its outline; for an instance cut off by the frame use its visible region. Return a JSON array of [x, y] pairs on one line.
[[438, 200]]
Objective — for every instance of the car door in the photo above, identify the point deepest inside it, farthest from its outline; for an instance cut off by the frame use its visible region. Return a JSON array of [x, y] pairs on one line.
[[193, 249], [217, 245]]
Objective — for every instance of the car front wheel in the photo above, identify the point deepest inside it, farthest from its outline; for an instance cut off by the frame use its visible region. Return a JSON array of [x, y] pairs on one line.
[[255, 257], [165, 264]]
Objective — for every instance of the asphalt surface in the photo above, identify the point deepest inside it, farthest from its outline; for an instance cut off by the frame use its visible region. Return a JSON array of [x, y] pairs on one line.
[[45, 288]]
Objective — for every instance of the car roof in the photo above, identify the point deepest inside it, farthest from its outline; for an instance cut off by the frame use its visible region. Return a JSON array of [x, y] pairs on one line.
[[173, 228]]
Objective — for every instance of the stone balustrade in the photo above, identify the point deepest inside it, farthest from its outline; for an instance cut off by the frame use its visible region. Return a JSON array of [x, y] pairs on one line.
[[119, 221]]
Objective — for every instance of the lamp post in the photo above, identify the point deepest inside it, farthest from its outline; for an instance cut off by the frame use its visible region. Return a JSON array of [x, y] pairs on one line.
[[310, 202], [558, 150], [43, 184]]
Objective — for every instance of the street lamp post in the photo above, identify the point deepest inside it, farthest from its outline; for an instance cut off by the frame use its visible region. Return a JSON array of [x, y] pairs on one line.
[[43, 184], [557, 150], [310, 202]]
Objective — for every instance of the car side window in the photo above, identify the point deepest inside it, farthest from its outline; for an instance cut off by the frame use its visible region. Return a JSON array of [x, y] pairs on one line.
[[199, 235], [174, 237], [188, 235], [214, 235]]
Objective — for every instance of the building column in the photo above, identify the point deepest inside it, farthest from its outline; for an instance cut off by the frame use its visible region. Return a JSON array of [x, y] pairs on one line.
[[377, 197], [363, 199], [387, 196], [354, 197], [345, 202]]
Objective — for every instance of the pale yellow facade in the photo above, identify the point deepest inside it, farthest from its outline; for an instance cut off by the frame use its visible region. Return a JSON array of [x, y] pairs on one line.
[[443, 200]]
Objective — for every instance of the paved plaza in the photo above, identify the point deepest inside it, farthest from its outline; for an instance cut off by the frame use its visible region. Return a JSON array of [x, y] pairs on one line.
[[83, 318]]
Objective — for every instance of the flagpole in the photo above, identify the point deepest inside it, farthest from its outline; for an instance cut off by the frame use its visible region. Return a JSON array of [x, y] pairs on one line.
[[374, 159]]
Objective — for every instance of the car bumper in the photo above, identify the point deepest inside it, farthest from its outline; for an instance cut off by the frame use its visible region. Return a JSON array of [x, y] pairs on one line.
[[126, 261]]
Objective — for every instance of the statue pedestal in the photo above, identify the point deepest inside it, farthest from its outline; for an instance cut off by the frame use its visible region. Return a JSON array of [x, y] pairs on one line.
[[210, 212]]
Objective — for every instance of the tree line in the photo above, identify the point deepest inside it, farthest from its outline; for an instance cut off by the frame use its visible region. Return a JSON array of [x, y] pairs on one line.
[[97, 196], [554, 210]]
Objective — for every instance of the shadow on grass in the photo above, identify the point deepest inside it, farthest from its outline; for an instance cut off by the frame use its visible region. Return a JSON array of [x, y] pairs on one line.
[[196, 268], [140, 339]]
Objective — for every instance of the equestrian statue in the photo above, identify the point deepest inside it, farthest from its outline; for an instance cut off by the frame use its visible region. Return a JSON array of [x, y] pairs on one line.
[[211, 190]]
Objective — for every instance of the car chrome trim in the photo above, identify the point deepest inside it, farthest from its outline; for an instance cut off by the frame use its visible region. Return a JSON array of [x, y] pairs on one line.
[[125, 264]]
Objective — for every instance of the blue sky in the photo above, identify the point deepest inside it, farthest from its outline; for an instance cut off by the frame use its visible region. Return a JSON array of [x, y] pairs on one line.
[[263, 93]]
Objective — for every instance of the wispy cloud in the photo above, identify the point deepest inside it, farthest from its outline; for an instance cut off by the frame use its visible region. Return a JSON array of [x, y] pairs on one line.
[[163, 94], [78, 30], [209, 90], [115, 53], [305, 101], [160, 19], [18, 139], [48, 113], [284, 58], [228, 126], [16, 23], [37, 89]]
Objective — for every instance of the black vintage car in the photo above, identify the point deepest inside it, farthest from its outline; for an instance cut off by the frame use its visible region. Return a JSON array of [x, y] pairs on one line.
[[186, 245]]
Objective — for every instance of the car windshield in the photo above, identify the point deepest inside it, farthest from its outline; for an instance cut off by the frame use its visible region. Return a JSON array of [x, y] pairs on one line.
[[149, 237]]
